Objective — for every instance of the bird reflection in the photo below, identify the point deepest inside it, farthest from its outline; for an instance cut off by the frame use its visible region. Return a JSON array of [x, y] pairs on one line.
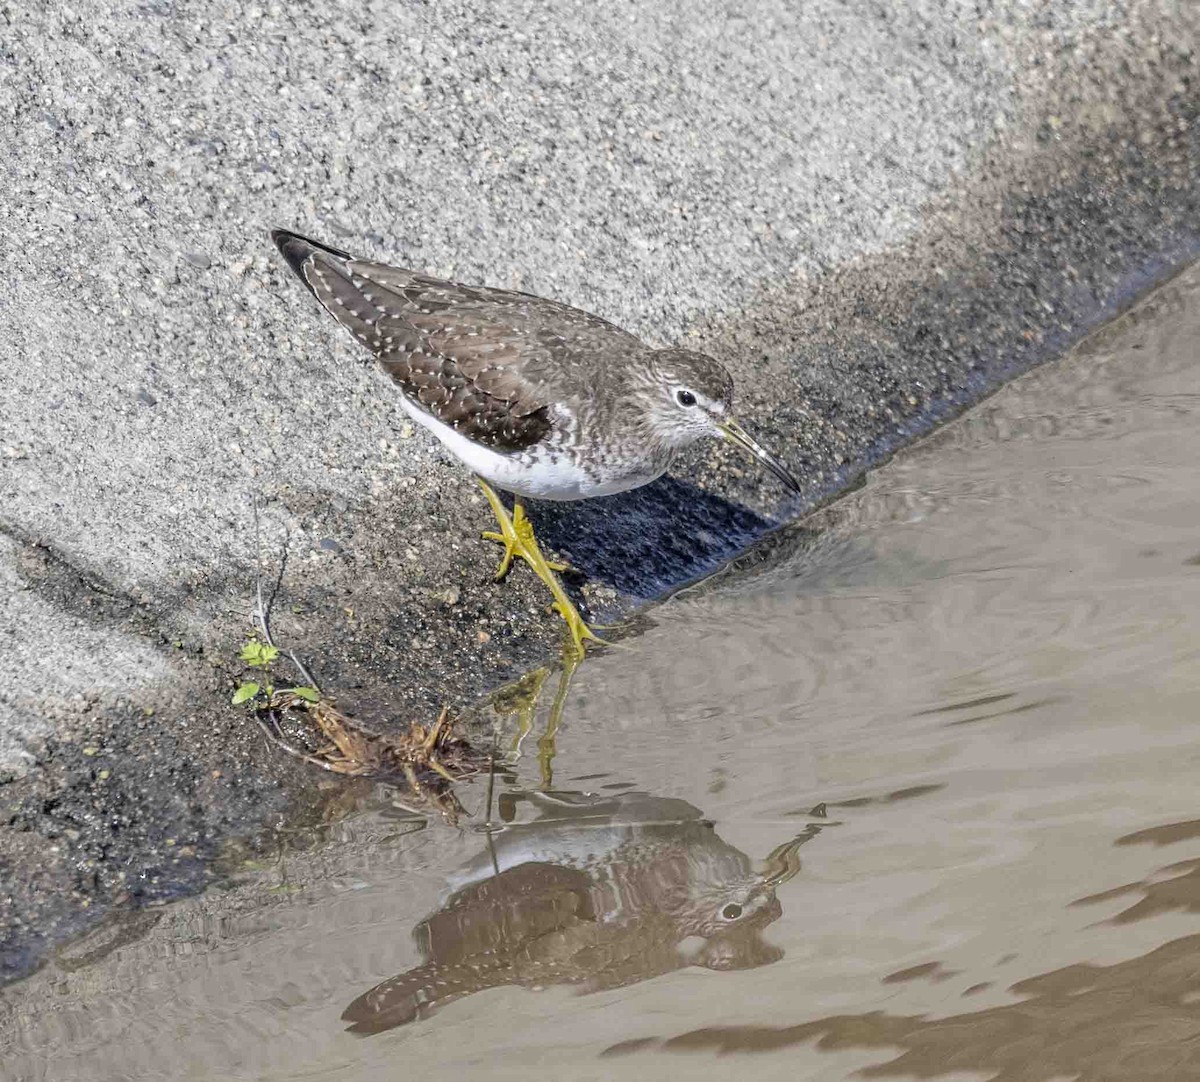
[[595, 891]]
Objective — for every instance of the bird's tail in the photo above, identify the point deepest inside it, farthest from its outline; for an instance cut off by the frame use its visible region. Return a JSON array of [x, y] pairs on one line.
[[330, 276], [408, 996], [298, 250]]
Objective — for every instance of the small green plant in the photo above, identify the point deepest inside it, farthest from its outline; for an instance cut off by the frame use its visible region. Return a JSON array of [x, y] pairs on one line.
[[260, 655], [245, 692]]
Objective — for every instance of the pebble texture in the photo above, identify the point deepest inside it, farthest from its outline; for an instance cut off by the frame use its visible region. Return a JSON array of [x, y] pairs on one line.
[[871, 212]]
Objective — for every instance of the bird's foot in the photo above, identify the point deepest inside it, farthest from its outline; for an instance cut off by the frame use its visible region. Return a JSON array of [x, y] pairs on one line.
[[517, 537], [581, 634]]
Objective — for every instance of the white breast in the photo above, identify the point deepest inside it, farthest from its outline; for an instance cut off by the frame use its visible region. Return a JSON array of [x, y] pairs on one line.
[[538, 475]]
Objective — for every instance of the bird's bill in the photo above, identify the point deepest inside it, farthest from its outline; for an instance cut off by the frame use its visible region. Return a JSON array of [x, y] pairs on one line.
[[783, 862], [737, 434]]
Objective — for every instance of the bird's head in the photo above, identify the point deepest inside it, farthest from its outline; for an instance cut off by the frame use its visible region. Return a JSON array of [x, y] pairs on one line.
[[690, 397], [721, 926]]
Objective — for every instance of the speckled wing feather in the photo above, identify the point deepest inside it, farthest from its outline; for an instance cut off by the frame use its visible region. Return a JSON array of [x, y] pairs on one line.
[[488, 362], [517, 927]]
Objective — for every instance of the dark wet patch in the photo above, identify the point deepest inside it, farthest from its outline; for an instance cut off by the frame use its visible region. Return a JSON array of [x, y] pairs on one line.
[[913, 791], [1024, 708], [908, 793], [1164, 835], [124, 927], [624, 1048], [969, 704], [933, 971], [1180, 893], [1085, 1022]]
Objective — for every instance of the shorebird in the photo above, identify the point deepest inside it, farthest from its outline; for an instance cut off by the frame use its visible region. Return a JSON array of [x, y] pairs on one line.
[[597, 891], [537, 398]]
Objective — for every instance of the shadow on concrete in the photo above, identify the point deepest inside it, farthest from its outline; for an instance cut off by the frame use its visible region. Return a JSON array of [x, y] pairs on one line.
[[645, 542]]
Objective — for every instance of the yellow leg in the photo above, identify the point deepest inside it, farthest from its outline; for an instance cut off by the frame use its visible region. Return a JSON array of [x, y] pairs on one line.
[[521, 698], [516, 535], [547, 745]]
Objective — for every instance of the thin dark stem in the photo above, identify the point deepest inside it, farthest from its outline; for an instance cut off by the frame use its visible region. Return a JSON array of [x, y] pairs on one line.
[[262, 613], [490, 788], [488, 828], [274, 734]]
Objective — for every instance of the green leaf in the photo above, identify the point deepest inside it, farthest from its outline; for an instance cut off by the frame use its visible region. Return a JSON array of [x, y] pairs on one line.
[[252, 652], [308, 694], [258, 655], [245, 693]]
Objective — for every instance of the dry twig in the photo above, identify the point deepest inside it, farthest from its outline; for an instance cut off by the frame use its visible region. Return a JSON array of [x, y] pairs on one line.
[[425, 761]]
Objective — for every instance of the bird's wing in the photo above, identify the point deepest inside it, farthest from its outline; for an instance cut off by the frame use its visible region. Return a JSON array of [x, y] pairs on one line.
[[503, 930], [454, 349], [506, 912]]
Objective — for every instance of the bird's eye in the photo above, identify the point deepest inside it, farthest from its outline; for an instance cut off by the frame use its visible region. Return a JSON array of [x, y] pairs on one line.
[[685, 398], [732, 911]]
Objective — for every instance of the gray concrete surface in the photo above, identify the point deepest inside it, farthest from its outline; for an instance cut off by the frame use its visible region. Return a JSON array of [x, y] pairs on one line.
[[872, 212]]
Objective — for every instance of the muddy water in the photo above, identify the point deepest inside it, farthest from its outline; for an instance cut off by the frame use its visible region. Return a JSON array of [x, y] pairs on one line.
[[914, 791]]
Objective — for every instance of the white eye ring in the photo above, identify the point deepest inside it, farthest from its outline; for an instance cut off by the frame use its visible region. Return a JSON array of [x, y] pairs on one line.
[[685, 397]]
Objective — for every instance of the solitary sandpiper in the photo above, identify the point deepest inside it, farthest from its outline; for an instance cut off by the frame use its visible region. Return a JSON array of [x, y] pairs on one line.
[[537, 398]]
